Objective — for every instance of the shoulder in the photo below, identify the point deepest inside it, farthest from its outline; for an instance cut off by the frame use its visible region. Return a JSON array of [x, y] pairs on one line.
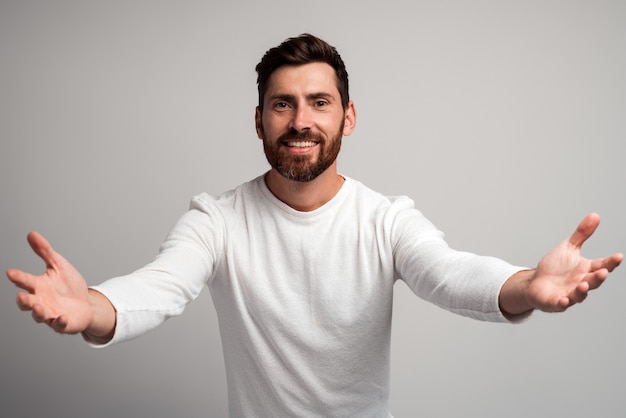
[[210, 218], [228, 200], [398, 215], [364, 195]]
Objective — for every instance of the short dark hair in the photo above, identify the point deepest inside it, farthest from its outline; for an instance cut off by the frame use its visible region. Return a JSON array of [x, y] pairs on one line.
[[303, 49]]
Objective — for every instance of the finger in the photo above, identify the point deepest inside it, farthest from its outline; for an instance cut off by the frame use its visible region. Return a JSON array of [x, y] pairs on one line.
[[581, 292], [563, 304], [596, 278], [578, 295], [59, 324], [42, 248], [584, 230], [22, 279], [609, 263], [613, 261], [25, 301], [40, 314]]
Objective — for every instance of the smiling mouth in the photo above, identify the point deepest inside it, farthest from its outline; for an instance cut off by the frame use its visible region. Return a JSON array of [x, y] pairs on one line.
[[300, 144]]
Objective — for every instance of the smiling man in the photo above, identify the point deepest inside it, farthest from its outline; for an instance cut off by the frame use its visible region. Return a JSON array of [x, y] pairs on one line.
[[301, 263]]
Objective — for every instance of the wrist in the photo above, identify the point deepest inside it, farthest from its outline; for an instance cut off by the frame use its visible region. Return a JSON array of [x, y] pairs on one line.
[[514, 295], [102, 326]]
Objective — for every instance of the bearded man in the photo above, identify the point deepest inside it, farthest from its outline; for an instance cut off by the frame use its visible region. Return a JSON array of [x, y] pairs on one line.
[[301, 263]]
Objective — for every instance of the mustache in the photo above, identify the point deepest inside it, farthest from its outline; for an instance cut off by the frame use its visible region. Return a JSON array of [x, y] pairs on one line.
[[300, 136]]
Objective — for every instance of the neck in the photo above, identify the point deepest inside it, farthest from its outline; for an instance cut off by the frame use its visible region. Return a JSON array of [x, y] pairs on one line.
[[305, 196]]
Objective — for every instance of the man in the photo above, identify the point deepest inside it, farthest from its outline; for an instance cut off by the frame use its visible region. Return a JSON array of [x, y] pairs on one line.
[[301, 263]]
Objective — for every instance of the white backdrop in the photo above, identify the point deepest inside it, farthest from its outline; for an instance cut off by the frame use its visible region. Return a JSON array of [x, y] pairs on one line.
[[504, 120]]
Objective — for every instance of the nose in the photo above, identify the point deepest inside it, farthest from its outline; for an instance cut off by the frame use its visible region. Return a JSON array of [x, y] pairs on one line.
[[301, 119]]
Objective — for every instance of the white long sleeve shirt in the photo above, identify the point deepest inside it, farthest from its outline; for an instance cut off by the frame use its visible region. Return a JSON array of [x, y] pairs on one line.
[[304, 299]]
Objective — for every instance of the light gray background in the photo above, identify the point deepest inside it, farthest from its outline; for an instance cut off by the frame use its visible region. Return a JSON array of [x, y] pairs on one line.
[[504, 120]]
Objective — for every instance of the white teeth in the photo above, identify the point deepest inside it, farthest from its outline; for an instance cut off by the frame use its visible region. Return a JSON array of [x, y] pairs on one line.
[[300, 144]]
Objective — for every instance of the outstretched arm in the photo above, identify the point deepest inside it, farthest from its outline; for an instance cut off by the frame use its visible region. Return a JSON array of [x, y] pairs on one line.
[[562, 278], [60, 298]]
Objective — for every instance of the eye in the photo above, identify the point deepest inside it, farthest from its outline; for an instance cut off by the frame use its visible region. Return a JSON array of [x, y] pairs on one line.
[[281, 105], [321, 103]]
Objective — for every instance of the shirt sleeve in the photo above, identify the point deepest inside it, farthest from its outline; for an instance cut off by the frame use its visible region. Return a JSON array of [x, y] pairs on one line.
[[463, 283], [185, 263]]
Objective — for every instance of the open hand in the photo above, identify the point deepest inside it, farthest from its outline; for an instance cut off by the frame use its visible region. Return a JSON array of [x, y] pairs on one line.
[[59, 296], [564, 277]]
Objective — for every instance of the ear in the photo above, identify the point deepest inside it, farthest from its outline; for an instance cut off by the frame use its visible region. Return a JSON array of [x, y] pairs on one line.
[[349, 119], [259, 124]]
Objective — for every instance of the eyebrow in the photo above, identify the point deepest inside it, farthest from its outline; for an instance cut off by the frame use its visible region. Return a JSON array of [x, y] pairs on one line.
[[311, 96]]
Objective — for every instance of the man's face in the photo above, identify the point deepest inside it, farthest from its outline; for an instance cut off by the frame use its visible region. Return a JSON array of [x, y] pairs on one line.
[[303, 121]]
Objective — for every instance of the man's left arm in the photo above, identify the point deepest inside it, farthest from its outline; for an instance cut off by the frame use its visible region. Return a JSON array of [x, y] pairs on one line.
[[562, 278]]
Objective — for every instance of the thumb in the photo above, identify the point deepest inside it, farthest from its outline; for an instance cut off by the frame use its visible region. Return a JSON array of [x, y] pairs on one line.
[[585, 229], [42, 248]]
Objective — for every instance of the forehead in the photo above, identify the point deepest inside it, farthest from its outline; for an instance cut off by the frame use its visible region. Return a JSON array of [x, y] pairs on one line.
[[308, 78]]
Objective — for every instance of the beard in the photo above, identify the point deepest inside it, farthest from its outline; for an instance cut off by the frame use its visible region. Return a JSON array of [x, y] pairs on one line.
[[303, 168]]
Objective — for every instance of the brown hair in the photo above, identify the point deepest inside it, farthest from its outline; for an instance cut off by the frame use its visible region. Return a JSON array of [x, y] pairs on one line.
[[301, 50]]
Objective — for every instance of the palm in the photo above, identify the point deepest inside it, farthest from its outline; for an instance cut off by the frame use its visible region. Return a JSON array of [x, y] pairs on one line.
[[564, 277], [558, 275]]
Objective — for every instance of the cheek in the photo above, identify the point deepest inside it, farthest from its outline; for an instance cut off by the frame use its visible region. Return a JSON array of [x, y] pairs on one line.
[[271, 127], [335, 125], [265, 128]]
